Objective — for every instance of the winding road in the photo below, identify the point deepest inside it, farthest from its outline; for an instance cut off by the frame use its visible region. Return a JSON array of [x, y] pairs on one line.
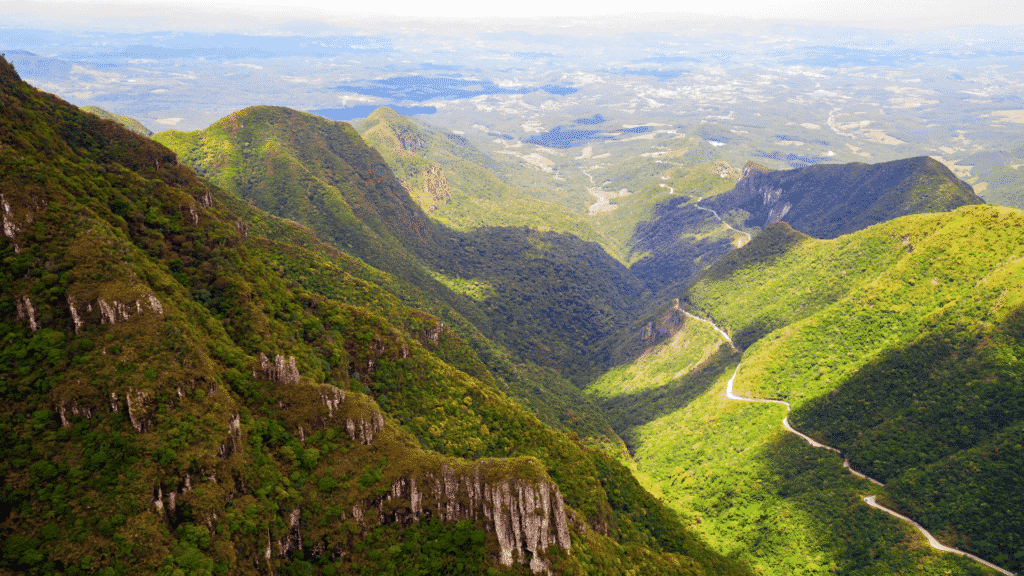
[[869, 500], [699, 207]]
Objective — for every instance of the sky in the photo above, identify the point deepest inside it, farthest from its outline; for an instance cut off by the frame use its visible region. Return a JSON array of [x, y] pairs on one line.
[[879, 13]]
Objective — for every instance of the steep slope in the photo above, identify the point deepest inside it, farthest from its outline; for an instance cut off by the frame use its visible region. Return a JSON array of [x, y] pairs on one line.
[[687, 234], [899, 345], [182, 393], [458, 184], [753, 490], [829, 200], [321, 174], [129, 123]]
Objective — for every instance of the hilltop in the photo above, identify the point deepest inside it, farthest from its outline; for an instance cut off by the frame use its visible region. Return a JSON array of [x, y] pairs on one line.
[[129, 123]]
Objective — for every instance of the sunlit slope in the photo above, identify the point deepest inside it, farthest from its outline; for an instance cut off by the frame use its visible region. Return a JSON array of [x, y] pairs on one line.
[[187, 388], [458, 184], [129, 123], [551, 299], [900, 345], [754, 491]]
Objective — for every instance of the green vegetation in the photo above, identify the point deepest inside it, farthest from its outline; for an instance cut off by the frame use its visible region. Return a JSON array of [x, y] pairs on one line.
[[129, 123], [459, 185], [556, 302], [192, 386], [899, 345]]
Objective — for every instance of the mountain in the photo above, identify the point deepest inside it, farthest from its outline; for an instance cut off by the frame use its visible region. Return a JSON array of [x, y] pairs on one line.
[[457, 183], [190, 385], [898, 345], [685, 236], [129, 123], [829, 200], [551, 299]]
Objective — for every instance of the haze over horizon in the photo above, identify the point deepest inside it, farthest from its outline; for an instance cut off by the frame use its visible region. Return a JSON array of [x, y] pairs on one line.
[[236, 14]]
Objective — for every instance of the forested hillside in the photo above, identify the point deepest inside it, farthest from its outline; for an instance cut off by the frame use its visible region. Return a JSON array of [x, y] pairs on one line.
[[321, 174], [190, 385], [900, 346]]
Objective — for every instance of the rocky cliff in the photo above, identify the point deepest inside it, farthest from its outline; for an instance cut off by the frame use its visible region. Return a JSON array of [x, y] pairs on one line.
[[826, 201]]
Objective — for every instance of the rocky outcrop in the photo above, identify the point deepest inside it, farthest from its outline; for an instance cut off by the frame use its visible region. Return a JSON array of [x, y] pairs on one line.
[[663, 326], [434, 334], [362, 430], [436, 186], [10, 228], [233, 443], [281, 370], [114, 311], [828, 200], [410, 140], [138, 411], [526, 516], [27, 312], [65, 408]]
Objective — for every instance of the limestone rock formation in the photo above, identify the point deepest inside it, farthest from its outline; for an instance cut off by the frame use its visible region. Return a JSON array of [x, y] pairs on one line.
[[526, 516], [281, 370]]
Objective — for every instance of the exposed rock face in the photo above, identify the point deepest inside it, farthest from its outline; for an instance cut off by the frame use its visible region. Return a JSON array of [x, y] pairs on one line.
[[410, 141], [137, 411], [829, 200], [65, 408], [233, 443], [434, 334], [114, 311], [665, 325], [436, 186], [526, 517], [363, 430], [281, 370], [10, 228], [27, 312], [332, 398]]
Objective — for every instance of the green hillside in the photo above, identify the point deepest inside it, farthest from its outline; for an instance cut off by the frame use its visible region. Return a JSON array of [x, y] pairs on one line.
[[458, 184], [898, 345], [552, 300], [129, 123], [191, 386]]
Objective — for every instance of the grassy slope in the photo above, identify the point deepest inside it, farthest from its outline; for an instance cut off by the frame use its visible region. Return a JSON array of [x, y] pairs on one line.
[[479, 194], [899, 345]]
